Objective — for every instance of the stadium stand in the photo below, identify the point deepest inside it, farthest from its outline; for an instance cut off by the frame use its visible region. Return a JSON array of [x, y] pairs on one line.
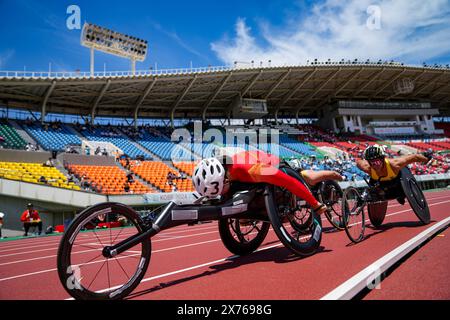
[[186, 167], [158, 145], [112, 135], [297, 146], [156, 173], [443, 126], [32, 173], [106, 179], [10, 138], [55, 136]]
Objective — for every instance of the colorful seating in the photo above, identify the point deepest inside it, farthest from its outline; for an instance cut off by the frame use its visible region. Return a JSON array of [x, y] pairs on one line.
[[107, 179], [52, 137], [156, 174], [11, 139], [32, 172]]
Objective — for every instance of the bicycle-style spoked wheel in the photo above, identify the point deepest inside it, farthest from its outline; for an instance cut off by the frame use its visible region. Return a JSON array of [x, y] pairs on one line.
[[331, 195], [241, 236], [353, 213], [293, 220], [83, 269]]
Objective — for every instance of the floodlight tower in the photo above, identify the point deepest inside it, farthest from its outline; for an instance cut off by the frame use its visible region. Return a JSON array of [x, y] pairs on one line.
[[102, 39]]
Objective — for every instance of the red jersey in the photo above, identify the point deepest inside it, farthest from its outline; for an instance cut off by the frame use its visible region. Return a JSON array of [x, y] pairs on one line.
[[260, 167], [27, 216]]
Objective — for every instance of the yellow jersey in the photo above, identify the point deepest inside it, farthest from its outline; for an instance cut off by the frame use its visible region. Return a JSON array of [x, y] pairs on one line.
[[390, 173]]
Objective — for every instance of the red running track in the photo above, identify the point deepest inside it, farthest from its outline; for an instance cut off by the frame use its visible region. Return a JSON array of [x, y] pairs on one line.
[[192, 263]]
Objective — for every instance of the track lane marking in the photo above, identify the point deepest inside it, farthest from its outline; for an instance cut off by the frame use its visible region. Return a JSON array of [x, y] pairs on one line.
[[362, 279]]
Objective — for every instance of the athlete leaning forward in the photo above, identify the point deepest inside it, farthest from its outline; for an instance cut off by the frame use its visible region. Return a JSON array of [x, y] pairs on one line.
[[213, 177]]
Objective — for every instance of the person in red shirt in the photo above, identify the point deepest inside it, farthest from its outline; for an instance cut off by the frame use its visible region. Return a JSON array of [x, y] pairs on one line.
[[30, 218], [212, 179]]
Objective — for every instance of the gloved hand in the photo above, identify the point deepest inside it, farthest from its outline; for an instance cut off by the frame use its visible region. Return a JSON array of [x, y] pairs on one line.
[[428, 155]]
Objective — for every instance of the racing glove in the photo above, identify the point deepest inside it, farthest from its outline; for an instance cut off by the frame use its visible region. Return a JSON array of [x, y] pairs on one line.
[[428, 155]]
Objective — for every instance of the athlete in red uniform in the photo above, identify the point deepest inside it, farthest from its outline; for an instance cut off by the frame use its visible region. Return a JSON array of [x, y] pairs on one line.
[[212, 179]]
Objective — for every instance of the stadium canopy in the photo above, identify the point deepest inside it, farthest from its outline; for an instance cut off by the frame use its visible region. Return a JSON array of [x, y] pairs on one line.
[[290, 91]]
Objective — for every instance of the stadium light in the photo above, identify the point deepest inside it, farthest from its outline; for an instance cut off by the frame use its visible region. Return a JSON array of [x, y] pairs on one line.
[[115, 43]]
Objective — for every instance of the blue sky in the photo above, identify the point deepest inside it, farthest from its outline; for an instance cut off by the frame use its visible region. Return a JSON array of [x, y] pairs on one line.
[[34, 33]]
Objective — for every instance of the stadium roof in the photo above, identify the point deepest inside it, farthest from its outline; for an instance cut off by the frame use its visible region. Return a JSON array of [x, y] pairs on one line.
[[192, 93]]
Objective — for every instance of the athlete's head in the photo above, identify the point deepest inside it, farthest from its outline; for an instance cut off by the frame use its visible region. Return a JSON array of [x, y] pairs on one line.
[[209, 178], [375, 156]]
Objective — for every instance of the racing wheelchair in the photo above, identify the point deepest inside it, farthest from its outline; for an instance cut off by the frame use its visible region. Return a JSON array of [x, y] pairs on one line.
[[123, 252], [375, 198]]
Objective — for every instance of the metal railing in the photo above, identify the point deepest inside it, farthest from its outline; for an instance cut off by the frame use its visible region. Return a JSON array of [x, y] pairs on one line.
[[209, 69]]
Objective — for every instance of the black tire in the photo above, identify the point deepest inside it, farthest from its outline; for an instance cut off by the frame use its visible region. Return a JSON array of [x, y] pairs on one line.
[[234, 236], [353, 211], [377, 212], [330, 194], [306, 234], [68, 272]]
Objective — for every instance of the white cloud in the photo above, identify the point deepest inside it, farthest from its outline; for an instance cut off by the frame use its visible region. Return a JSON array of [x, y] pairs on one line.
[[412, 31], [5, 56]]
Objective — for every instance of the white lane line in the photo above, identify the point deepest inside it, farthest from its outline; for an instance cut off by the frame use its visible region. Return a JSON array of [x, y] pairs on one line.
[[52, 256], [23, 242], [122, 237], [50, 270], [229, 258], [163, 234], [364, 278], [101, 236], [189, 268]]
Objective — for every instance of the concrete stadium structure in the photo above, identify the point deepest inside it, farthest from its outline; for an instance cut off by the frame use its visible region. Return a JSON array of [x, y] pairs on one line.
[[208, 93]]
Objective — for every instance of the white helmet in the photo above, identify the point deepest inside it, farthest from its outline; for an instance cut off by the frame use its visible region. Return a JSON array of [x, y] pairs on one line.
[[2, 215], [209, 176]]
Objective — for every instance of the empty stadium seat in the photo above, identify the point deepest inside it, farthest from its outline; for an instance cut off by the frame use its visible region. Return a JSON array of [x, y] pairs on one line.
[[11, 139], [121, 141], [107, 179], [156, 174], [52, 138], [32, 172]]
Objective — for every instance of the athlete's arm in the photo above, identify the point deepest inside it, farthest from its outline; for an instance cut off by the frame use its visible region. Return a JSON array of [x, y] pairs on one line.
[[315, 177], [363, 165], [401, 162]]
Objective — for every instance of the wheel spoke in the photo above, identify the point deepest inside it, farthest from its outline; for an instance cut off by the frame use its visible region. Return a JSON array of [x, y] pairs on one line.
[[95, 277], [122, 268]]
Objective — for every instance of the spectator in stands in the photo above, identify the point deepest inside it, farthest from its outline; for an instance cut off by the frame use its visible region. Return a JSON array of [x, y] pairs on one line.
[[170, 178], [127, 164], [126, 187], [85, 183], [30, 218], [42, 179], [49, 163], [97, 151], [2, 215], [130, 177], [105, 152]]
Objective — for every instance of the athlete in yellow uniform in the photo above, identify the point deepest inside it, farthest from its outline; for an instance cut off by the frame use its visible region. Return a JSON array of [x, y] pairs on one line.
[[382, 169]]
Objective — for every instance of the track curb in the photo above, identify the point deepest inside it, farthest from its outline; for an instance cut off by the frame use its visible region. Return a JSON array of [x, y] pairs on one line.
[[365, 278]]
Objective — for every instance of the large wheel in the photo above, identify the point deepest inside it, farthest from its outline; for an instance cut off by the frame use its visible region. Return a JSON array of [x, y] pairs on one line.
[[377, 212], [83, 270], [353, 212], [330, 194], [242, 237], [415, 196], [293, 221]]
